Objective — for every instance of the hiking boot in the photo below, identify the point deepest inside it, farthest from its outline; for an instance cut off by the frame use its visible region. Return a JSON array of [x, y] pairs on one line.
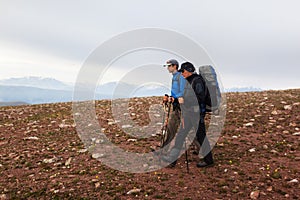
[[204, 164], [173, 164]]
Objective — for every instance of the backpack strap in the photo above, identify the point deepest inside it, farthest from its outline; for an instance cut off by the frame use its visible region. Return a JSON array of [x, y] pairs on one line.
[[178, 80], [206, 92]]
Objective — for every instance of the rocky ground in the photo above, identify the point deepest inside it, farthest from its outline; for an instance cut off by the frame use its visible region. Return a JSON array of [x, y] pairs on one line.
[[257, 155]]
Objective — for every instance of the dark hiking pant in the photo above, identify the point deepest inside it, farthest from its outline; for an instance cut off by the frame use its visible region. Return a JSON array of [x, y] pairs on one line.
[[193, 120]]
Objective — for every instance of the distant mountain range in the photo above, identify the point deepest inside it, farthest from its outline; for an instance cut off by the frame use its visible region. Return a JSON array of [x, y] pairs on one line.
[[243, 89], [37, 90], [39, 82], [17, 103]]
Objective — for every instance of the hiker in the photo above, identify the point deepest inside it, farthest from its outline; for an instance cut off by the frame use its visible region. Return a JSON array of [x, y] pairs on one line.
[[178, 84], [193, 114]]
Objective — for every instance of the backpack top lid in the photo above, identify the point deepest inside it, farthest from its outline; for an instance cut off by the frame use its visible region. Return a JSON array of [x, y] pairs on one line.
[[208, 72]]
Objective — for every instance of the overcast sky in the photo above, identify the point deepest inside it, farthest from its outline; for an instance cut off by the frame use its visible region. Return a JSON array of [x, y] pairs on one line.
[[252, 43]]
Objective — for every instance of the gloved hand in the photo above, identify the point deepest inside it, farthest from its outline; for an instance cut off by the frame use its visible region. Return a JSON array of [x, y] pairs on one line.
[[171, 99], [165, 99], [181, 100]]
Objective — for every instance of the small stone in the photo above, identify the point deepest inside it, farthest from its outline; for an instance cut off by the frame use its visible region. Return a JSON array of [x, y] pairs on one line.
[[285, 132], [220, 144], [145, 165], [97, 155], [127, 126], [288, 107], [97, 185], [265, 147], [225, 187], [273, 151], [100, 141], [263, 193], [31, 138], [294, 181], [62, 125], [47, 161], [274, 112], [68, 162], [251, 150], [134, 191], [131, 140], [297, 158], [3, 197], [249, 124], [254, 194], [296, 134], [269, 189], [82, 151]]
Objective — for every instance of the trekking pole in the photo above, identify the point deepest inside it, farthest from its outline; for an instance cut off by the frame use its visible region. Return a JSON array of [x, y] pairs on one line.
[[165, 127], [186, 153], [186, 158], [164, 109]]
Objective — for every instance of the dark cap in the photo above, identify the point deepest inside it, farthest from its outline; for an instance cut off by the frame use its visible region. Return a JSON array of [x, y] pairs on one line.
[[171, 62], [187, 66]]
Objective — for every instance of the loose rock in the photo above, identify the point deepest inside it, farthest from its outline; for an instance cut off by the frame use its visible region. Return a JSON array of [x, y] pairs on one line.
[[134, 191], [254, 194]]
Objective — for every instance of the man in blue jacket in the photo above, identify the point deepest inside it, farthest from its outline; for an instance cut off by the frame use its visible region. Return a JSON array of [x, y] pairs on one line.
[[177, 90]]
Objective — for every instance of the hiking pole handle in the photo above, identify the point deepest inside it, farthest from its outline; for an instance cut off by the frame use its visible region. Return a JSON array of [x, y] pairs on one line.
[[171, 99]]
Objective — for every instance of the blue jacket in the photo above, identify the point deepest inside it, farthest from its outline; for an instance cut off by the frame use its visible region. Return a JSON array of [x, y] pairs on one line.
[[178, 88]]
